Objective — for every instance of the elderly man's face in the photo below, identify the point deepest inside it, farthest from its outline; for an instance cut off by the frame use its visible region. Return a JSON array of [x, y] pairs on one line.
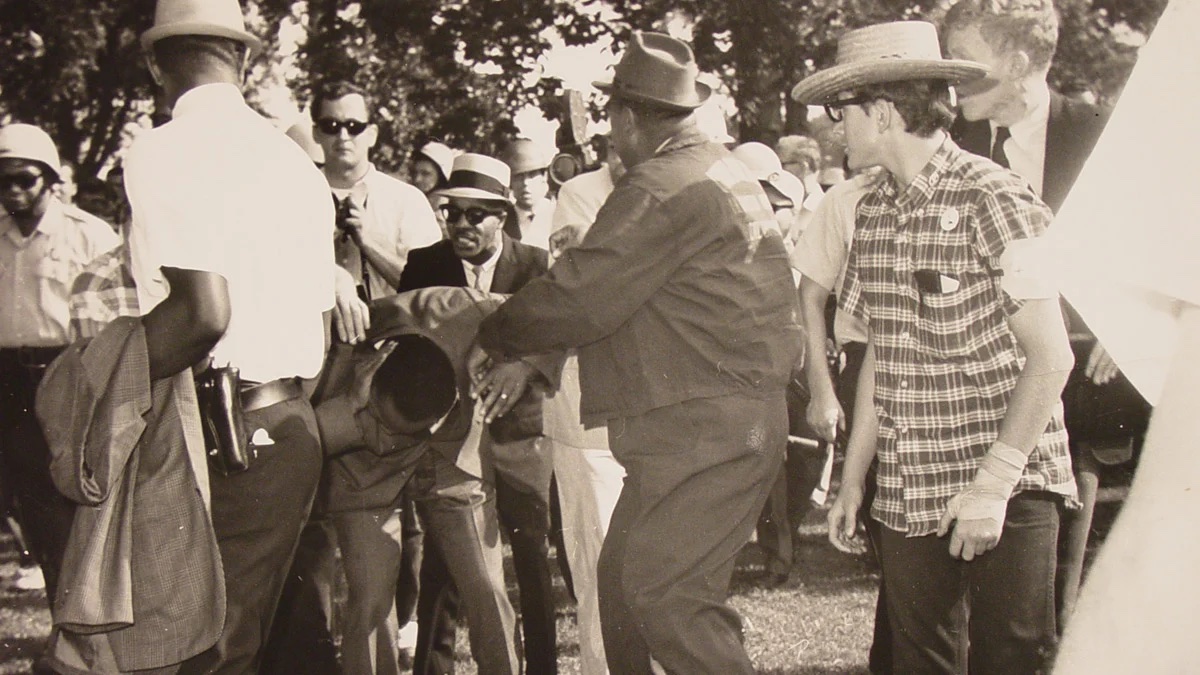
[[344, 148], [988, 97], [473, 227]]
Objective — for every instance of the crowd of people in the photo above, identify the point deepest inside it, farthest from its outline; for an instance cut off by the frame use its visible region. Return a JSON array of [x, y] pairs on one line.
[[280, 356]]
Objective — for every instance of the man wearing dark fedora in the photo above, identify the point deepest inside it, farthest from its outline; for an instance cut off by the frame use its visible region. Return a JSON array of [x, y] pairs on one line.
[[966, 358], [231, 252], [680, 302]]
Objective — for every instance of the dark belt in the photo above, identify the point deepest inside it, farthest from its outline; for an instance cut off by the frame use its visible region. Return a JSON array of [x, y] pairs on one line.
[[257, 396], [28, 357]]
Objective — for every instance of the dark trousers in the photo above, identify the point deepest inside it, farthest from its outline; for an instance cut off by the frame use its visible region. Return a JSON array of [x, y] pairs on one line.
[[1009, 594], [526, 519], [697, 476], [258, 515], [45, 516]]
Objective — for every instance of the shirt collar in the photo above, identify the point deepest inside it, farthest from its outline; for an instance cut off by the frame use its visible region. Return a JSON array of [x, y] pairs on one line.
[[489, 264], [684, 139], [1036, 118], [207, 97], [925, 183], [50, 225]]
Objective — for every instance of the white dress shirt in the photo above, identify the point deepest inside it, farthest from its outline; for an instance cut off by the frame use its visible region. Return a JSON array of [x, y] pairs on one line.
[[1026, 146], [220, 189], [480, 276]]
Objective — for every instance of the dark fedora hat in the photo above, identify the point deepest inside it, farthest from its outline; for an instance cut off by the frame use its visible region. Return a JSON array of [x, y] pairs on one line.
[[657, 70]]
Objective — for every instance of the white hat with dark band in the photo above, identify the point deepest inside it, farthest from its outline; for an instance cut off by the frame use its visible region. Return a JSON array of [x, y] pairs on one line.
[[476, 176]]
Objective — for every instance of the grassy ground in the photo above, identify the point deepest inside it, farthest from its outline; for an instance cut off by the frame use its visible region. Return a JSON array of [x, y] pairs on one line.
[[817, 622]]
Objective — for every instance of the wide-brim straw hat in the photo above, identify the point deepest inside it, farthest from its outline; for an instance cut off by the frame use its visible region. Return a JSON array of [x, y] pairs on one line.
[[219, 18], [476, 176], [887, 52], [660, 71]]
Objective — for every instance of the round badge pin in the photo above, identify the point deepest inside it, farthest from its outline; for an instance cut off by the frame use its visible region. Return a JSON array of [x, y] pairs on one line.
[[949, 219]]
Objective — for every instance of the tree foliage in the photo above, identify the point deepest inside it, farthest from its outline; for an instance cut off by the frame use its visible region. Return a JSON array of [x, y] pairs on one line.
[[459, 70]]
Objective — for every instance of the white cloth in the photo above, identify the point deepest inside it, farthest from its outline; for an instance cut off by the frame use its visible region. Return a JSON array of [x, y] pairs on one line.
[[824, 248], [536, 229], [36, 273], [580, 199], [589, 483], [220, 189], [1124, 246], [396, 217], [1026, 144]]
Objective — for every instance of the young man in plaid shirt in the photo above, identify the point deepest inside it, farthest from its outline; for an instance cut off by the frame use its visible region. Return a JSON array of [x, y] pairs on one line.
[[966, 359]]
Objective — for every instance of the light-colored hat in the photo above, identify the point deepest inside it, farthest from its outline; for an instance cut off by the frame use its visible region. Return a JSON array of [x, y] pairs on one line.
[[887, 52], [440, 154], [476, 176], [220, 18], [523, 155], [25, 141], [658, 70], [766, 167]]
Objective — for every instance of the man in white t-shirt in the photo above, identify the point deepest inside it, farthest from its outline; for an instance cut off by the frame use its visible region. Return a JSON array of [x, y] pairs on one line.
[[380, 219], [231, 254]]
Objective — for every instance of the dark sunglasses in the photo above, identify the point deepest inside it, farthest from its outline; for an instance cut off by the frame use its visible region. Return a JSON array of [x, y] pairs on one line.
[[474, 214], [834, 108], [23, 181], [332, 127]]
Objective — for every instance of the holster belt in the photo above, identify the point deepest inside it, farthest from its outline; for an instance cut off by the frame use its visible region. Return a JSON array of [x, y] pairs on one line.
[[264, 395]]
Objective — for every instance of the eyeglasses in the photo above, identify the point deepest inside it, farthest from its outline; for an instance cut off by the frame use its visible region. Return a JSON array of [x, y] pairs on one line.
[[474, 214], [22, 181], [330, 126], [834, 108]]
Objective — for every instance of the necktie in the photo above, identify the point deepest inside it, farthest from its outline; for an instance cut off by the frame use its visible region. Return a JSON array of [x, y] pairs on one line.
[[998, 155], [479, 286]]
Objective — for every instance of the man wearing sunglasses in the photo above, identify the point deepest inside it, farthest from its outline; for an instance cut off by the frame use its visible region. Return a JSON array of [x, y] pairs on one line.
[[44, 244], [477, 253], [380, 219]]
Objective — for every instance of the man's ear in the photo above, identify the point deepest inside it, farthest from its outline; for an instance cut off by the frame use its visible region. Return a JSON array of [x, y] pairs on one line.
[[1017, 63], [372, 134], [152, 66], [244, 66]]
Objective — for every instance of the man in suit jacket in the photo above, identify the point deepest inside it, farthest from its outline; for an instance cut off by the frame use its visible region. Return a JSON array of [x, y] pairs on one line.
[[1013, 117], [478, 254]]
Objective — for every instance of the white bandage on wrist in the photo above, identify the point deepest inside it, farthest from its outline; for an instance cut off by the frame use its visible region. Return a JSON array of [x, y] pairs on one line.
[[1005, 462]]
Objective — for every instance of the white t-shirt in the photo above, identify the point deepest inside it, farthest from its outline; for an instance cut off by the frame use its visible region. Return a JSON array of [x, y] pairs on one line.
[[824, 248], [220, 189], [397, 217]]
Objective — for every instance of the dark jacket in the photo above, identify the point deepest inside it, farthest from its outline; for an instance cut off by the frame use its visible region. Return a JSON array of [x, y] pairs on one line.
[[437, 265], [1093, 413]]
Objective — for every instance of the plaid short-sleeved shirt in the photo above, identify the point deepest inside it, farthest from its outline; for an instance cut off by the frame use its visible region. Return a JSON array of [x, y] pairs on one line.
[[925, 271], [103, 291]]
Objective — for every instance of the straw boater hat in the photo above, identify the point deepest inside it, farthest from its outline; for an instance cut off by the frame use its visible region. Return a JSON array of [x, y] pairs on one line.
[[888, 52], [657, 70], [476, 176], [219, 18]]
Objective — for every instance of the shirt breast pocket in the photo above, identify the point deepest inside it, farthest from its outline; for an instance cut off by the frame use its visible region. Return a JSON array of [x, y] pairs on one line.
[[943, 315]]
